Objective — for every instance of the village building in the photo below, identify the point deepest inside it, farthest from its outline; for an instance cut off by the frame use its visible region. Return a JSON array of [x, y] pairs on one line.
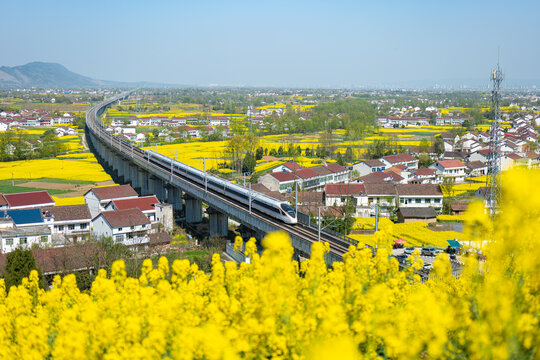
[[128, 227], [366, 167], [420, 195], [452, 169], [70, 223], [98, 197], [416, 214], [280, 181], [28, 200], [400, 159], [147, 204]]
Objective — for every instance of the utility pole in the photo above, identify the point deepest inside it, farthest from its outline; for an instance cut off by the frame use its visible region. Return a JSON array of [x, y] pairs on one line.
[[250, 198], [376, 217], [296, 199], [493, 180], [319, 230]]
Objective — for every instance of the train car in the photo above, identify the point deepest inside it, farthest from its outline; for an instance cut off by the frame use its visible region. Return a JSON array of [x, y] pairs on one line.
[[265, 204]]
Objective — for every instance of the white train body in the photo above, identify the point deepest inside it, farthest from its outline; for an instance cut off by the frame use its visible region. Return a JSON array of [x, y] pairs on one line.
[[265, 204]]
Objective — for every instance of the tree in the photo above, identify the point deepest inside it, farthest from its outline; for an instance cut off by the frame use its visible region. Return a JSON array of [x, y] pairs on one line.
[[349, 155], [259, 153], [439, 145], [249, 163], [19, 263]]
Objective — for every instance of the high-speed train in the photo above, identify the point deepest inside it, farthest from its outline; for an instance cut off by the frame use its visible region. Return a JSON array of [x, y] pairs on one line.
[[265, 204]]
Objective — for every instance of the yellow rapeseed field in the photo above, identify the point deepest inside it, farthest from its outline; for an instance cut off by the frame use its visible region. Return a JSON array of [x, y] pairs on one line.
[[275, 308], [84, 169]]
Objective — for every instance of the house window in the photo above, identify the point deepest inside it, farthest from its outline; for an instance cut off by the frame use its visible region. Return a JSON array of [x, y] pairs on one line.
[[71, 227], [119, 229], [60, 227], [9, 241], [23, 241], [418, 201], [44, 239], [402, 201], [133, 228], [437, 200], [118, 238], [82, 226]]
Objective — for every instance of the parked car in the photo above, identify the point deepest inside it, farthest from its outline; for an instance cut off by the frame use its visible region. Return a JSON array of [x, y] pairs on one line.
[[408, 250], [401, 258], [428, 266], [427, 251]]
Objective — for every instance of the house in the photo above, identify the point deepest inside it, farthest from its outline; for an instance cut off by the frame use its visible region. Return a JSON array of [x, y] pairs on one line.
[[280, 181], [416, 214], [480, 155], [509, 160], [400, 159], [458, 208], [144, 203], [219, 121], [98, 197], [381, 195], [338, 194], [65, 131], [453, 169], [420, 195], [128, 227], [289, 166], [24, 237], [476, 168], [340, 173], [310, 180], [70, 223], [368, 166], [423, 176], [25, 217], [28, 200], [380, 177]]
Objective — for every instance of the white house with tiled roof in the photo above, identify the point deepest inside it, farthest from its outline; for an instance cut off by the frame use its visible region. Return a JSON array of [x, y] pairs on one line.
[[98, 197], [454, 169], [400, 159], [129, 227]]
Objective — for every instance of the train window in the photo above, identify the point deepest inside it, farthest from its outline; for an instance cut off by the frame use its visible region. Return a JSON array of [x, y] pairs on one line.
[[288, 209]]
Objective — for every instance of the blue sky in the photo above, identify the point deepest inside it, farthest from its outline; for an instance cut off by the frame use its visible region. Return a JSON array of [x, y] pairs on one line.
[[276, 43]]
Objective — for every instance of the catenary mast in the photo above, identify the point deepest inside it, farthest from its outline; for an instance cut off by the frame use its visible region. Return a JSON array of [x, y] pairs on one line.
[[493, 181]]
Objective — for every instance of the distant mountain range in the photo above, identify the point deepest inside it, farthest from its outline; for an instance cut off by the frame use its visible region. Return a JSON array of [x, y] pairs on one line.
[[52, 75]]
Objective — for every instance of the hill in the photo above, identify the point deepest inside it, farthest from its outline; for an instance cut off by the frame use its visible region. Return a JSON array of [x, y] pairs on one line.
[[53, 75], [41, 74]]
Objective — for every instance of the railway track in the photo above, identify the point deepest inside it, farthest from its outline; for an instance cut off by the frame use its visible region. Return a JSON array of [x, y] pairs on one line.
[[337, 246]]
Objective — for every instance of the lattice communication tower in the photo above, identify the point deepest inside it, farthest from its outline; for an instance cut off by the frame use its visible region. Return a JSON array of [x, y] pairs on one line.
[[493, 182]]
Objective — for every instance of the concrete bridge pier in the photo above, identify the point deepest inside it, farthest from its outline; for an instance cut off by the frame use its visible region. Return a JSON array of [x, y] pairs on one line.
[[126, 171], [120, 175], [174, 197], [134, 177], [145, 183], [219, 223], [193, 210], [158, 188]]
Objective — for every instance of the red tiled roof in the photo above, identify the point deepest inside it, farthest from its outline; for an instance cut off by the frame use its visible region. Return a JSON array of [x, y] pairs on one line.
[[306, 173], [293, 166], [336, 168], [345, 189], [124, 218], [394, 159], [484, 152], [68, 212], [373, 163], [31, 198], [452, 163], [419, 189], [114, 192], [424, 171], [284, 176], [514, 156], [142, 203]]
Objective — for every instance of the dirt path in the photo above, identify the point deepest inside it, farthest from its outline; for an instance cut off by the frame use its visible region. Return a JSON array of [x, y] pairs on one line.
[[76, 189]]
